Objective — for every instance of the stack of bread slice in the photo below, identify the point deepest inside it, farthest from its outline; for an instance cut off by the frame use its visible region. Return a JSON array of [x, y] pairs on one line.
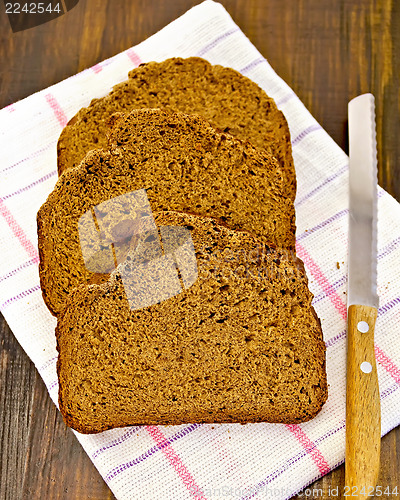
[[200, 153]]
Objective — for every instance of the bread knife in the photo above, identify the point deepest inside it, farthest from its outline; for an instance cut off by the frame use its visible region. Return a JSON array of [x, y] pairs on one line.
[[363, 412]]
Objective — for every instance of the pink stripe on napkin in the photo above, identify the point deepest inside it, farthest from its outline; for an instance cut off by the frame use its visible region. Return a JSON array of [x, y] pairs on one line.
[[133, 56], [18, 232], [321, 280], [176, 462], [58, 111], [310, 447]]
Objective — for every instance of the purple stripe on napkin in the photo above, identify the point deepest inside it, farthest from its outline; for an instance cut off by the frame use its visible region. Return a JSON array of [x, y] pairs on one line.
[[21, 295], [33, 184], [216, 41]]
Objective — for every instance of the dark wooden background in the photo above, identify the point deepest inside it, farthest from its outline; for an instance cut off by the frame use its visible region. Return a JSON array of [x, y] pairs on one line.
[[327, 50]]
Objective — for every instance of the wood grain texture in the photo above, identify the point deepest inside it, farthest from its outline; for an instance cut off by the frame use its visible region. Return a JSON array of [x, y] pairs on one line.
[[327, 51], [363, 408]]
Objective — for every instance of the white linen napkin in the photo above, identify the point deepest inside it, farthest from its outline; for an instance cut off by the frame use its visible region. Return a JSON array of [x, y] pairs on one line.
[[229, 461]]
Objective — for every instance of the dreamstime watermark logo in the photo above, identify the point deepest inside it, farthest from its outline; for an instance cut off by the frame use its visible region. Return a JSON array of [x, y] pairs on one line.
[[24, 15], [219, 491], [155, 263]]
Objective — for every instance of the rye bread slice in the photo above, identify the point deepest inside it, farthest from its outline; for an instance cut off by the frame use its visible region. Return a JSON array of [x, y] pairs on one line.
[[241, 344], [183, 164], [230, 101]]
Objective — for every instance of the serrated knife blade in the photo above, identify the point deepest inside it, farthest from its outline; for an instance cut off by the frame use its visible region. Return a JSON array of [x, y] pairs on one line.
[[363, 175], [363, 415]]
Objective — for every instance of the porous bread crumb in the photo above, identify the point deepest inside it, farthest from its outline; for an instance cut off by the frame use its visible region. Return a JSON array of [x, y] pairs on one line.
[[234, 347], [183, 164]]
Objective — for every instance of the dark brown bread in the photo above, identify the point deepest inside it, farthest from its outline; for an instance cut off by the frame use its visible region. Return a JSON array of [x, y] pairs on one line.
[[183, 164], [242, 344], [228, 100]]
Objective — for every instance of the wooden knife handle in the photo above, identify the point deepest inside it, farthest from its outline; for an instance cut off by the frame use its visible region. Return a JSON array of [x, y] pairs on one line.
[[363, 408]]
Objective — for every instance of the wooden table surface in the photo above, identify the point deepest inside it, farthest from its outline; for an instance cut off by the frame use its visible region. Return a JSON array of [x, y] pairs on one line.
[[328, 51]]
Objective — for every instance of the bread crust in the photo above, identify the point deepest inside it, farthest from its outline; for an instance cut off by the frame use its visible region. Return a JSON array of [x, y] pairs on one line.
[[230, 101]]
